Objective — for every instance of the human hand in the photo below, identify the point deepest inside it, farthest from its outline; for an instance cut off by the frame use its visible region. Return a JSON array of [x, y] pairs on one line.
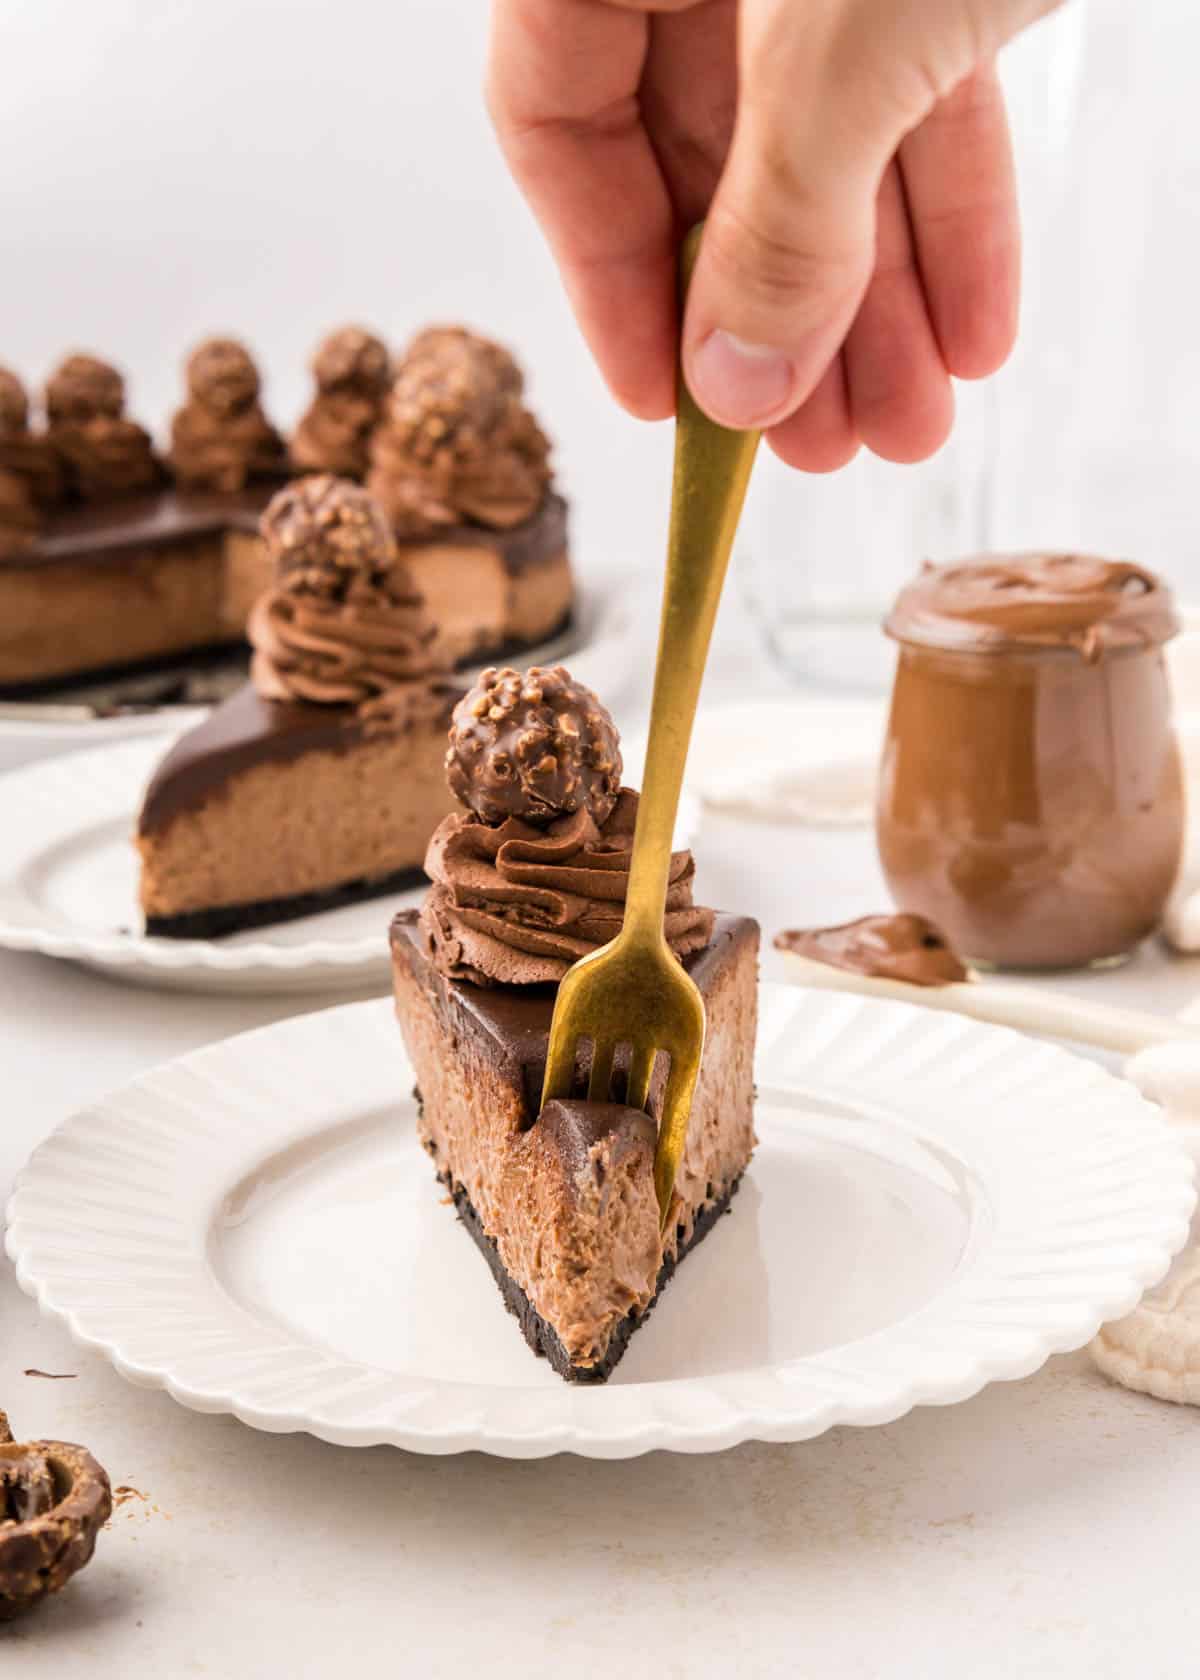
[[852, 159]]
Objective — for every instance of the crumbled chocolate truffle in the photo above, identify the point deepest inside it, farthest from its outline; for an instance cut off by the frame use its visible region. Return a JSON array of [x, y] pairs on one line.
[[220, 438], [101, 453], [54, 1500], [536, 746], [456, 442], [352, 369], [14, 404], [83, 387], [328, 537]]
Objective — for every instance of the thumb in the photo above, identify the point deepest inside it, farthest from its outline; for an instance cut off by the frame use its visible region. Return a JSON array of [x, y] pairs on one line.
[[789, 242], [826, 93]]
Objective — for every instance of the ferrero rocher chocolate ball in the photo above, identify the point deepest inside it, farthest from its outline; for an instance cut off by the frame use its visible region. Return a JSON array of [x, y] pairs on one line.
[[14, 404], [82, 388], [536, 745], [221, 376], [325, 535], [352, 359]]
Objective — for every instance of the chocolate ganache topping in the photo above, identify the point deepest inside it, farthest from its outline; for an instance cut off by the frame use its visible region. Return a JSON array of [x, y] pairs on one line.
[[535, 873], [456, 443], [352, 369], [23, 455], [343, 622], [102, 453], [899, 947], [1068, 601], [220, 438]]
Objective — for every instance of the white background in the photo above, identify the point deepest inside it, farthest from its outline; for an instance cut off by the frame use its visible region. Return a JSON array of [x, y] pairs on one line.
[[180, 169], [174, 169]]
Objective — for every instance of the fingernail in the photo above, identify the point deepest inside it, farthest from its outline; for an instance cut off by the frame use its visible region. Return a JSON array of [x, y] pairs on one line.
[[739, 384]]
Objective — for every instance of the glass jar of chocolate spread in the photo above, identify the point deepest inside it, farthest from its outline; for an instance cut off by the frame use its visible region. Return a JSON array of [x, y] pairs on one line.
[[1031, 800]]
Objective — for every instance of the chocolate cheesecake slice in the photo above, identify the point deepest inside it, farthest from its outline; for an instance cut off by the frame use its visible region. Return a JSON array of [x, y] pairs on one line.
[[530, 877], [321, 781]]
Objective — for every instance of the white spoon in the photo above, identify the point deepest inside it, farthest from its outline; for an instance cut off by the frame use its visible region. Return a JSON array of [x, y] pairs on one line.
[[1025, 1007]]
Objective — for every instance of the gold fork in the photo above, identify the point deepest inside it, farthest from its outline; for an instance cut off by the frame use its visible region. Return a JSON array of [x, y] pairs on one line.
[[633, 990]]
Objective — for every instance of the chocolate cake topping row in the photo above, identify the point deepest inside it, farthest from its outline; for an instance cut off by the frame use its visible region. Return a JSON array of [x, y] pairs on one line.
[[447, 442]]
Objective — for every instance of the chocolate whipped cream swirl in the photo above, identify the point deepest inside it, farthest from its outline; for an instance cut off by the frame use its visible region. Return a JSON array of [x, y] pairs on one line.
[[456, 443], [518, 904], [352, 369], [221, 438], [337, 651], [344, 623], [102, 453]]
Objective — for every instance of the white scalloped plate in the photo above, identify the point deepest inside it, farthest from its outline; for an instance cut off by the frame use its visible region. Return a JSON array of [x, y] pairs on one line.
[[934, 1204], [68, 888]]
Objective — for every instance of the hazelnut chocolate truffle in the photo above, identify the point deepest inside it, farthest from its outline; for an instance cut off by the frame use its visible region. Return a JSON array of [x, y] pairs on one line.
[[326, 534], [83, 387], [352, 369], [103, 454], [456, 442], [220, 438], [536, 746], [54, 1500]]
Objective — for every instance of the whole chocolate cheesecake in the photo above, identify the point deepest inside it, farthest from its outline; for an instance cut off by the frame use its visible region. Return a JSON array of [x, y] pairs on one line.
[[131, 561], [530, 875], [321, 781], [113, 560]]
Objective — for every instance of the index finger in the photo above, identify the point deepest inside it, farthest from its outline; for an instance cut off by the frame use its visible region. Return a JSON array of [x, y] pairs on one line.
[[562, 89]]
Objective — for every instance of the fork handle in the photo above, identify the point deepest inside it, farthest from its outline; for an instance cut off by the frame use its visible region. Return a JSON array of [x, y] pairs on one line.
[[712, 470]]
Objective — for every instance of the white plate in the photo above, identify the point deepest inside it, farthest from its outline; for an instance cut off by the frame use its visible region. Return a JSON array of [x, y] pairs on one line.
[[68, 888], [784, 760], [934, 1204]]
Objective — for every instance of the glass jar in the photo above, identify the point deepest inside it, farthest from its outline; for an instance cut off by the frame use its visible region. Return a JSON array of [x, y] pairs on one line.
[[1031, 799]]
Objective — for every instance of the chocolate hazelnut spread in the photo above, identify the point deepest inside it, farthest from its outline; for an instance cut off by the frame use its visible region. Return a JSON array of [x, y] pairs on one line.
[[900, 947], [1031, 801]]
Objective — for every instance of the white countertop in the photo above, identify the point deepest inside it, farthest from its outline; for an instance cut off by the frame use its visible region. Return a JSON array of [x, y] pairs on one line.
[[1046, 1526]]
